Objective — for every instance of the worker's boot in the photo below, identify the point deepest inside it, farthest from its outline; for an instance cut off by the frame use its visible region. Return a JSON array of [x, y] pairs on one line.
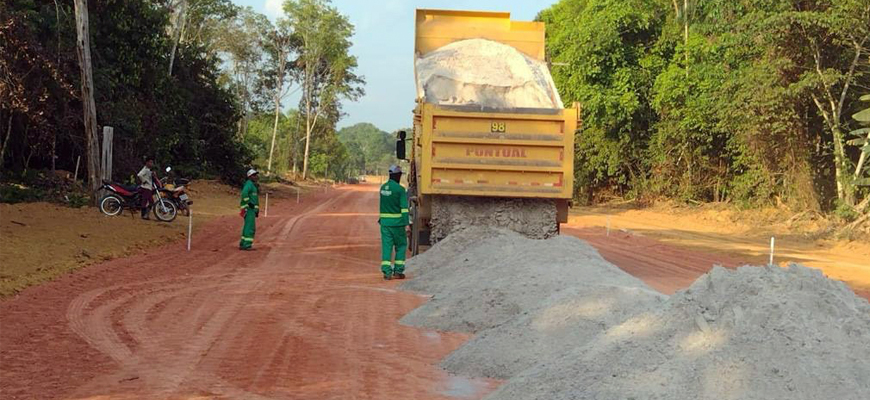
[[398, 275], [387, 277]]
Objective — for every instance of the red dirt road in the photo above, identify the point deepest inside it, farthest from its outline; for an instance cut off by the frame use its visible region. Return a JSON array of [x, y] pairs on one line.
[[304, 317], [664, 267]]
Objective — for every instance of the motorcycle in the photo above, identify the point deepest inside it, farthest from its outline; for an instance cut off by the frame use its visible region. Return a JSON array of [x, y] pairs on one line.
[[177, 192], [119, 197]]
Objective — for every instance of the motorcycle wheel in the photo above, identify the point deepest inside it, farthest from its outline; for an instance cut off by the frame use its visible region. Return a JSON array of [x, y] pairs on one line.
[[111, 205], [165, 210]]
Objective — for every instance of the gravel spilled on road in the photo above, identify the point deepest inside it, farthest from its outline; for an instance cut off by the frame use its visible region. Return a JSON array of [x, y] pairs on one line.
[[559, 322]]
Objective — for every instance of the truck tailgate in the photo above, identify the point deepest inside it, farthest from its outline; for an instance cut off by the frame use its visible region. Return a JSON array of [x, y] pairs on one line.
[[470, 151]]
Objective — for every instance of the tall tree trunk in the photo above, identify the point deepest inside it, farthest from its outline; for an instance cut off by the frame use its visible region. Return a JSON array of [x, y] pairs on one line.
[[6, 140], [295, 160], [53, 152], [279, 88], [686, 35], [88, 105], [307, 146], [308, 127], [274, 130], [844, 189], [177, 26]]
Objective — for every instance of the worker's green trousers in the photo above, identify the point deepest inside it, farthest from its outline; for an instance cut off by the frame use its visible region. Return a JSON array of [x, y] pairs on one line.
[[393, 237], [248, 229]]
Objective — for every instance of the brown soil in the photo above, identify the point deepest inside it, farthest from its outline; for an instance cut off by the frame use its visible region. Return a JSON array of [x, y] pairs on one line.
[[670, 247], [40, 241], [305, 316]]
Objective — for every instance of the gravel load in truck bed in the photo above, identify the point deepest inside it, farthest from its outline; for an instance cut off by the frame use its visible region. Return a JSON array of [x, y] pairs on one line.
[[485, 73]]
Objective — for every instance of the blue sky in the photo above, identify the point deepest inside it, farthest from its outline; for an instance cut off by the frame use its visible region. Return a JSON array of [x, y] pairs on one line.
[[384, 46]]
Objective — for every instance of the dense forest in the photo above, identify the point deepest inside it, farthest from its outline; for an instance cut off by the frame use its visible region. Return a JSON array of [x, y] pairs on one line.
[[720, 100], [201, 85]]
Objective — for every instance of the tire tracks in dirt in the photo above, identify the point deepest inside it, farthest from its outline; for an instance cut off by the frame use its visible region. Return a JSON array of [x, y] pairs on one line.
[[306, 316], [164, 364]]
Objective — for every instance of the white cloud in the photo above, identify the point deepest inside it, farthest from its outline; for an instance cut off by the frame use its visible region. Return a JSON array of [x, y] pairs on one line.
[[274, 8]]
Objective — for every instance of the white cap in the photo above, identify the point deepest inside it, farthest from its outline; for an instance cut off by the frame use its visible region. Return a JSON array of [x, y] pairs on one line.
[[252, 172], [395, 169]]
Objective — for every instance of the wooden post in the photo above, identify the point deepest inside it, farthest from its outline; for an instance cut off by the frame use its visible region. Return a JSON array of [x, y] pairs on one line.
[[83, 46], [76, 174], [772, 240], [106, 160], [189, 228]]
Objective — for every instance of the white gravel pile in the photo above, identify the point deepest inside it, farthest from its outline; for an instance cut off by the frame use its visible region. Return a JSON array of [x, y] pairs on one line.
[[485, 73], [754, 333], [567, 320], [533, 218], [500, 278], [448, 262]]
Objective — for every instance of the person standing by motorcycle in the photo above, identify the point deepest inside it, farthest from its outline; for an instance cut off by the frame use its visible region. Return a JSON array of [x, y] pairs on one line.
[[146, 187], [250, 210]]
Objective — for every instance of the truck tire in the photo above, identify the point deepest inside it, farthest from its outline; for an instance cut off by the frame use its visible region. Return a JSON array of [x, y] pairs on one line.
[[414, 240]]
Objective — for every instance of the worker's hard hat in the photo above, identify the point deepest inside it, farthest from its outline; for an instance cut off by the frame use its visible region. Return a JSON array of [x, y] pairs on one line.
[[252, 172], [395, 169]]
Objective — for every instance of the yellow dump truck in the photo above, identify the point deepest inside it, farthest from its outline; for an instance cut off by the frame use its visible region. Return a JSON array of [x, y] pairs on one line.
[[471, 162]]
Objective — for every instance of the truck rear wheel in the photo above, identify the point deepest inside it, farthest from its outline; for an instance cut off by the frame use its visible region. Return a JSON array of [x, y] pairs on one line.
[[414, 234]]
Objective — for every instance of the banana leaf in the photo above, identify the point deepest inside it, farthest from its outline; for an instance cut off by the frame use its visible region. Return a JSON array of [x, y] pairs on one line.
[[862, 116]]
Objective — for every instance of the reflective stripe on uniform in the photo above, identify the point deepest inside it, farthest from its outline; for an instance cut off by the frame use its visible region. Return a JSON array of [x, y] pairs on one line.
[[247, 239], [385, 263], [391, 215], [243, 207], [246, 199], [404, 210], [400, 262]]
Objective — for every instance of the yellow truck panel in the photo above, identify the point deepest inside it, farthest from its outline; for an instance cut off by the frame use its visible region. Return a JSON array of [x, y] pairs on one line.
[[465, 151], [438, 28]]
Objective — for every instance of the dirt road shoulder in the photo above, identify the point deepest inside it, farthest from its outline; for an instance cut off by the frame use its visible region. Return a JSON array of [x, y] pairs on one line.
[[714, 236], [41, 241]]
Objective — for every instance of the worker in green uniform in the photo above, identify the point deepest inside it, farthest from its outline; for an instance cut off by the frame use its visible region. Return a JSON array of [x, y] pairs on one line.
[[250, 210], [393, 220]]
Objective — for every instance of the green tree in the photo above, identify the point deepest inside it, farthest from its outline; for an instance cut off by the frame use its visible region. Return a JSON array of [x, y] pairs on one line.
[[831, 43], [372, 149], [603, 57], [185, 119], [279, 46], [259, 140], [326, 68], [717, 100], [240, 43]]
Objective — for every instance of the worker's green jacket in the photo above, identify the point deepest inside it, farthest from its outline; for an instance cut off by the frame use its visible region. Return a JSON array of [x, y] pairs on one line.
[[394, 204], [249, 196]]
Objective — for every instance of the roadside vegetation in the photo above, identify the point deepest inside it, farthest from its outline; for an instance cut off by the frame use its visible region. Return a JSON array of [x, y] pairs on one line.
[[750, 103], [201, 85]]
